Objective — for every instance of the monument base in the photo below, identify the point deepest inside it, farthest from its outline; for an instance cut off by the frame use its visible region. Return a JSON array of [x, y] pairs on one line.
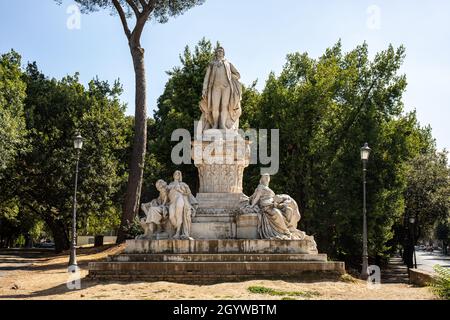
[[219, 217], [214, 260]]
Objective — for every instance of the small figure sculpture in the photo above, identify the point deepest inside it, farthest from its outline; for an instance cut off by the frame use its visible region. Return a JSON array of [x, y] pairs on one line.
[[222, 94], [182, 207], [156, 212], [170, 215], [278, 215]]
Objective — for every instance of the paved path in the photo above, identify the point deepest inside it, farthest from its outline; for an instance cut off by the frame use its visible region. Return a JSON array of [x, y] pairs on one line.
[[20, 259], [426, 260], [395, 271]]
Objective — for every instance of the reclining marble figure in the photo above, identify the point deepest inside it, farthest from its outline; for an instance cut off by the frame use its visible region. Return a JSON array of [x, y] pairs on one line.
[[278, 215]]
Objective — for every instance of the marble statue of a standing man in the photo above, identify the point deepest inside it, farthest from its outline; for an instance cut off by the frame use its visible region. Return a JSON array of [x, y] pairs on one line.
[[222, 94]]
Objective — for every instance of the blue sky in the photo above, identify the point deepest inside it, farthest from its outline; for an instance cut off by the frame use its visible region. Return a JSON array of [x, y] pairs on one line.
[[257, 35]]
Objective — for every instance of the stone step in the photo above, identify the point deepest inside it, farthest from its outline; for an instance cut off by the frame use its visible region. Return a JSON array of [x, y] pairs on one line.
[[208, 271], [241, 246], [216, 257]]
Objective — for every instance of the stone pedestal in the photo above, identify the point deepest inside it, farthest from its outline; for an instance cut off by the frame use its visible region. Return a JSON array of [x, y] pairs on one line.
[[221, 157]]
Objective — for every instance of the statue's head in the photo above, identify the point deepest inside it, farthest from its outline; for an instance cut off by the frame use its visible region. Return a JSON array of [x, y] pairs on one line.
[[220, 53], [160, 185], [265, 179], [177, 176]]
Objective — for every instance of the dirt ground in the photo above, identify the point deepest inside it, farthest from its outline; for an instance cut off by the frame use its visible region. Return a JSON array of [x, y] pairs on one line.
[[44, 276]]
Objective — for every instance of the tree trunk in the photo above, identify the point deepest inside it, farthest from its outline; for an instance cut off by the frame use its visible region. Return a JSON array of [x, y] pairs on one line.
[[60, 236], [136, 171]]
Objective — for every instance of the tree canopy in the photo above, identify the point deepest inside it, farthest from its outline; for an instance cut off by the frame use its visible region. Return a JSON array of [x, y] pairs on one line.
[[12, 121], [41, 182], [162, 10]]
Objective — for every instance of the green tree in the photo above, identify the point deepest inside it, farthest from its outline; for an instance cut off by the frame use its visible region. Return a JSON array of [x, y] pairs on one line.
[[443, 234], [427, 195], [326, 108], [141, 11], [43, 177], [12, 121], [12, 141], [17, 222]]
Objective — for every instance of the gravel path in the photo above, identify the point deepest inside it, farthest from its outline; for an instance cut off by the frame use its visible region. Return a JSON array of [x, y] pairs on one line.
[[25, 277]]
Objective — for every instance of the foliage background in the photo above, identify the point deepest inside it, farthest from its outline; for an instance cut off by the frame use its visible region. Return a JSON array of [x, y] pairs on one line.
[[326, 108]]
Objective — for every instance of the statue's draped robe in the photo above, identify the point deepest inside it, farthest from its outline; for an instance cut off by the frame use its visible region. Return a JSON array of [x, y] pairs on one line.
[[189, 206], [155, 211], [276, 221], [291, 214], [234, 107]]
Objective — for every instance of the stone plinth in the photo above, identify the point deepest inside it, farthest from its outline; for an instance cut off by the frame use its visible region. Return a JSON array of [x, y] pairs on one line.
[[215, 260], [217, 225], [216, 257], [218, 202], [215, 218], [224, 225], [220, 157], [247, 226], [243, 246]]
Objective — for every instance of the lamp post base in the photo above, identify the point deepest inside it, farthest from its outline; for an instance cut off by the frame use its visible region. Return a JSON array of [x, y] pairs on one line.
[[365, 265], [73, 257]]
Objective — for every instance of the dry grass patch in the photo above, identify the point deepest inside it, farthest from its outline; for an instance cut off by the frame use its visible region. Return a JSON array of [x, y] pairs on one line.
[[275, 292]]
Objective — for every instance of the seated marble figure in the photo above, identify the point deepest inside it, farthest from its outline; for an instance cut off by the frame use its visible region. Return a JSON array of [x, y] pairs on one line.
[[278, 215]]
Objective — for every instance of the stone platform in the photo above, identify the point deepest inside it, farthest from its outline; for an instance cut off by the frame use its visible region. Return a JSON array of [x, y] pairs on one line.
[[214, 260]]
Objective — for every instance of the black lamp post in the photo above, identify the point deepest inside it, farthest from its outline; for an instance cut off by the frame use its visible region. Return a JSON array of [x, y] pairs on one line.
[[365, 152], [412, 220], [78, 145]]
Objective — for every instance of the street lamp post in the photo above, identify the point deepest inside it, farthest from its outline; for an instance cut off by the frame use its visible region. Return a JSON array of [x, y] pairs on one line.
[[78, 145], [412, 220], [365, 152]]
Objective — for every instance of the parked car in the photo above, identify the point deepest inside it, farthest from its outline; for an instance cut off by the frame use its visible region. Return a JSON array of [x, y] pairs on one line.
[[45, 245]]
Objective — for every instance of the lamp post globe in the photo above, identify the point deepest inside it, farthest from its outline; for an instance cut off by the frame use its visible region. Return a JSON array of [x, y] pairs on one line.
[[78, 141], [365, 152]]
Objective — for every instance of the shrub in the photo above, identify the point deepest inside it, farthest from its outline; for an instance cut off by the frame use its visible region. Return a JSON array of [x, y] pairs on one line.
[[441, 282]]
